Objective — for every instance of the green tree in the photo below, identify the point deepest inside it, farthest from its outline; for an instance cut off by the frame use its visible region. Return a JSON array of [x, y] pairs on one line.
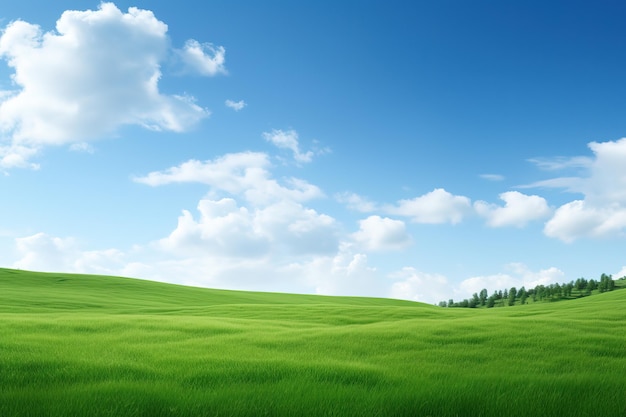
[[558, 290], [512, 295], [606, 283], [523, 295], [475, 299], [567, 289], [581, 284], [592, 285], [483, 296]]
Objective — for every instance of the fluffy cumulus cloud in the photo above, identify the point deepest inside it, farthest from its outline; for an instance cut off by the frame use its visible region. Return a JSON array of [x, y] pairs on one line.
[[102, 69], [249, 225], [345, 273], [601, 212], [203, 58], [288, 140], [580, 218], [518, 210], [621, 273], [43, 252], [226, 229], [437, 206], [411, 284], [381, 234]]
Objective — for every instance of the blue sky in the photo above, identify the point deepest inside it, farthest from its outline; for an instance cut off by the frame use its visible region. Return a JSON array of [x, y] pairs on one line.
[[417, 150]]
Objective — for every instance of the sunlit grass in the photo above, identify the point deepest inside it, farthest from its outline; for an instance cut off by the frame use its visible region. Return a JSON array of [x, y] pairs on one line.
[[100, 346]]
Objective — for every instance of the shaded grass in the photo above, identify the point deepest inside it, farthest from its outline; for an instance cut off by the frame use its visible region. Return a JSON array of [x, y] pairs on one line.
[[104, 346]]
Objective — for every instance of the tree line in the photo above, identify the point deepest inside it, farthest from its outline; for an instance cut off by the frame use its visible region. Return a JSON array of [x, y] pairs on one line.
[[501, 298]]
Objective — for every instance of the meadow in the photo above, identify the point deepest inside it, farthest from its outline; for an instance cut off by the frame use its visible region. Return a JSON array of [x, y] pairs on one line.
[[81, 345]]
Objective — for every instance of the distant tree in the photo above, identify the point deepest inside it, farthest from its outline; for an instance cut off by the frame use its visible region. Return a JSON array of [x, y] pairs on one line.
[[483, 296], [523, 295], [540, 291], [606, 283], [491, 301], [512, 295], [475, 299], [451, 303], [581, 284], [443, 304], [505, 294], [592, 285], [558, 290]]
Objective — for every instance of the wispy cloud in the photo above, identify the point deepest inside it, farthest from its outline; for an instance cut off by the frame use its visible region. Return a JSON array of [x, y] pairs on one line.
[[82, 147], [492, 177], [602, 210], [244, 174], [356, 202], [288, 140], [235, 105], [562, 162]]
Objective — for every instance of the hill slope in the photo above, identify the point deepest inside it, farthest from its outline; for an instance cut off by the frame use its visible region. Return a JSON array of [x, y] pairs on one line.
[[101, 346]]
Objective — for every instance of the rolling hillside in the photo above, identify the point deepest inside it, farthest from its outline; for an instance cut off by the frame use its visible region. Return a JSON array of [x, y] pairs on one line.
[[103, 346]]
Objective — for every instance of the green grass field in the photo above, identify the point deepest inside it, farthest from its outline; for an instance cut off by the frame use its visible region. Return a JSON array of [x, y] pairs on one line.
[[74, 345]]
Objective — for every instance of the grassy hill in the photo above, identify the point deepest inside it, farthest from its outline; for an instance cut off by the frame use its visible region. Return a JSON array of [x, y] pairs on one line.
[[73, 345]]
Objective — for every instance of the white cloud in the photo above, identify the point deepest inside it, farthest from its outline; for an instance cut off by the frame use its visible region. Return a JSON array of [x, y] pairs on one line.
[[381, 234], [560, 162], [283, 229], [82, 147], [602, 211], [580, 218], [519, 209], [621, 273], [98, 71], [437, 206], [411, 284], [41, 252], [17, 156], [205, 59], [235, 105], [356, 202], [288, 140], [492, 177], [245, 173], [223, 229], [345, 273]]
